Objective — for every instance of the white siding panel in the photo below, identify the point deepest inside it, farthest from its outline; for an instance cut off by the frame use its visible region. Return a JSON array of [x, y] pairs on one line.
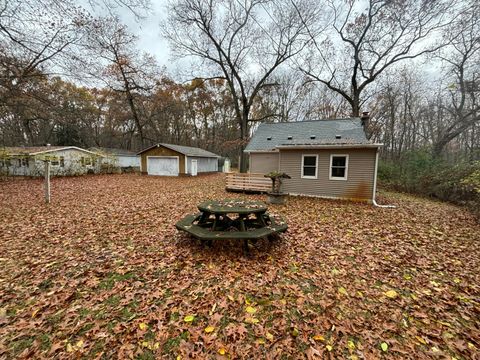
[[203, 164], [128, 161]]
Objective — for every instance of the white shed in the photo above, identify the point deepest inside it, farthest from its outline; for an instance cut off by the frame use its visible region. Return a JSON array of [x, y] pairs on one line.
[[174, 160], [123, 159]]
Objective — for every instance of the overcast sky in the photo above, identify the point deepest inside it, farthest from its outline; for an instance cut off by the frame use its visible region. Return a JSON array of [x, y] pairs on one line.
[[148, 31]]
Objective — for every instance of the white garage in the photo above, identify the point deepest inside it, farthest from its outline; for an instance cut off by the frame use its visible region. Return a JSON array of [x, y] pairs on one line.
[[177, 160], [163, 165]]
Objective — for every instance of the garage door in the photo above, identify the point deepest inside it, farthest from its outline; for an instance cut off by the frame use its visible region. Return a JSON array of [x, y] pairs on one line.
[[162, 165]]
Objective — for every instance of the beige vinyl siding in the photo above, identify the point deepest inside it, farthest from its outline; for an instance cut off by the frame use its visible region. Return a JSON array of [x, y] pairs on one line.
[[263, 163], [358, 186]]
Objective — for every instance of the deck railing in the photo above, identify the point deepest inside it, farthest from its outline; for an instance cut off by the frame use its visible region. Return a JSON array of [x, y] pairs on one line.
[[248, 182]]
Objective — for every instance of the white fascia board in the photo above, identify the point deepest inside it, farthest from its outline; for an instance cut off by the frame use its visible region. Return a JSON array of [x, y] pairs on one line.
[[339, 146], [261, 151], [65, 148]]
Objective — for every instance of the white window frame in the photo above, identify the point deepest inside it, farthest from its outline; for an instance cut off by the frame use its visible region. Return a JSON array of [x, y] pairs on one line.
[[346, 167], [303, 165]]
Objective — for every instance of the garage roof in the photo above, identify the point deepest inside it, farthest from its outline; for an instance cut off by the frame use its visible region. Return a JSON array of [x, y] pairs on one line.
[[185, 150]]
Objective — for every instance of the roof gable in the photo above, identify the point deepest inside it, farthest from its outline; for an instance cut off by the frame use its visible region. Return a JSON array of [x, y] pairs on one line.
[[313, 132]]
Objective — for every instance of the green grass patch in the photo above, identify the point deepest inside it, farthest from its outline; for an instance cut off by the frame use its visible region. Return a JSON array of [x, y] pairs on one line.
[[85, 328], [21, 344], [112, 301], [45, 342], [45, 284], [172, 343], [109, 282]]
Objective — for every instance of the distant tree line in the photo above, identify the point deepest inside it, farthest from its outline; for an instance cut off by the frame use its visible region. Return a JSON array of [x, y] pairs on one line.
[[81, 80]]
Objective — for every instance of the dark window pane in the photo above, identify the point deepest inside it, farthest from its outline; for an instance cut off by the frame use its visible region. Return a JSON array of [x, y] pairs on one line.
[[338, 172], [308, 171], [339, 161], [310, 160]]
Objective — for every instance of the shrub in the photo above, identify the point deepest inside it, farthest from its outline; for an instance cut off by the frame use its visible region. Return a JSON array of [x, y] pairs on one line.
[[418, 172]]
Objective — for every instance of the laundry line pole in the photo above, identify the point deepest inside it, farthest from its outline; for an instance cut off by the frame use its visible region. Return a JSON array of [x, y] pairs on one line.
[[47, 181]]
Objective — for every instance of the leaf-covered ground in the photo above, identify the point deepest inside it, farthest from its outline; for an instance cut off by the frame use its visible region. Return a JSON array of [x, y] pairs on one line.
[[103, 273]]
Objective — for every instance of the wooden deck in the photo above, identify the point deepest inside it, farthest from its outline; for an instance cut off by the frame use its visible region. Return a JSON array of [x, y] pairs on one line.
[[248, 182]]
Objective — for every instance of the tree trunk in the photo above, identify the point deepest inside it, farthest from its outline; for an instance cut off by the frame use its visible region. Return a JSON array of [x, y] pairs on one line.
[[243, 137], [356, 104]]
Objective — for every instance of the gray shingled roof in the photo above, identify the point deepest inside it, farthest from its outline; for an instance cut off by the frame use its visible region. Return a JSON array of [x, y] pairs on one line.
[[114, 151], [325, 132], [190, 151], [185, 150]]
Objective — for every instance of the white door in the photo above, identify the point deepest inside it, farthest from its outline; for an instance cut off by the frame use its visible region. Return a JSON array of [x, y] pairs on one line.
[[162, 165], [194, 167]]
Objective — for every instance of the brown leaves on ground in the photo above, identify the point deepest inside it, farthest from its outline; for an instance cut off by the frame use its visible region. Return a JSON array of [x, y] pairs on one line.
[[103, 272]]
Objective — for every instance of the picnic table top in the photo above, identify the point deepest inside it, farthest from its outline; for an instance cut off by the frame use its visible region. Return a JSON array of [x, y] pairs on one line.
[[236, 206]]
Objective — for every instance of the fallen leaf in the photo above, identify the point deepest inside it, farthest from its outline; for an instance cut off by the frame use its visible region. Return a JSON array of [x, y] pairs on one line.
[[384, 346], [143, 326], [351, 345], [189, 318], [421, 340], [251, 310], [342, 291], [392, 294], [209, 329]]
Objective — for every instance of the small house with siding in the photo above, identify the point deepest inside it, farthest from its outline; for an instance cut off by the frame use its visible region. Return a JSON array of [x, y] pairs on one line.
[[324, 158], [174, 160], [64, 160]]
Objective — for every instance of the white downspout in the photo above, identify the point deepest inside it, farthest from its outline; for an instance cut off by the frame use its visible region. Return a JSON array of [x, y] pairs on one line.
[[374, 202]]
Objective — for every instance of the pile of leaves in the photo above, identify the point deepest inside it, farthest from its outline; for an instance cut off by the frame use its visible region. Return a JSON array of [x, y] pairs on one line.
[[102, 272]]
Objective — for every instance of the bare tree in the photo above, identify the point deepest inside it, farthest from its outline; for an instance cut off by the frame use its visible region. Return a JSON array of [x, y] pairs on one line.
[[364, 42], [241, 41], [463, 62], [121, 67]]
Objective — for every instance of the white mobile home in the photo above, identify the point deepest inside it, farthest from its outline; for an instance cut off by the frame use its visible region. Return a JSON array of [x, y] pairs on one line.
[[64, 160]]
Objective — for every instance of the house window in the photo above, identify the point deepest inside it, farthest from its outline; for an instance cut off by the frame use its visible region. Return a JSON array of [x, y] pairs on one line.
[[62, 161], [338, 167], [309, 166], [25, 162], [85, 161], [54, 161]]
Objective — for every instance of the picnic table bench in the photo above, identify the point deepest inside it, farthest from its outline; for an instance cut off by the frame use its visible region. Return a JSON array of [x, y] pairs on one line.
[[232, 219]]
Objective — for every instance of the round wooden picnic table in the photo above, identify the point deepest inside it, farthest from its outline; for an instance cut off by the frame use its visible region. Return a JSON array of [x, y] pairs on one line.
[[220, 209], [232, 219]]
